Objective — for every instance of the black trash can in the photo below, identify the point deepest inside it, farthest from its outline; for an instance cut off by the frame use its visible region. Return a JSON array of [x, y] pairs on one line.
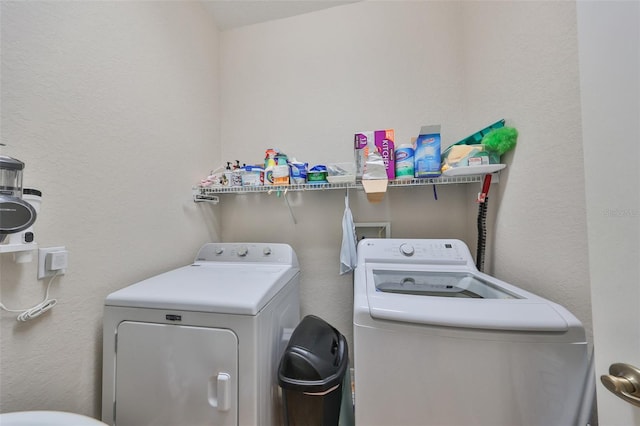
[[312, 374]]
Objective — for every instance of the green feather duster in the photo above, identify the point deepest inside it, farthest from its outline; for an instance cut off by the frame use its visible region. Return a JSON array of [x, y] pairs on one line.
[[500, 140]]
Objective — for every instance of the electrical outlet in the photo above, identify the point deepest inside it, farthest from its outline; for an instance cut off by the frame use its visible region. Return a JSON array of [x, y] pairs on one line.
[[52, 260]]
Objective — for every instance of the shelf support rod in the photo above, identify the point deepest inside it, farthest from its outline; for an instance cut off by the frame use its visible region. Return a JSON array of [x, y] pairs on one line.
[[286, 199]]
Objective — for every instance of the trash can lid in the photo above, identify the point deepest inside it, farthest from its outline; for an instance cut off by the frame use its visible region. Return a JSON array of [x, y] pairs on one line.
[[316, 357]]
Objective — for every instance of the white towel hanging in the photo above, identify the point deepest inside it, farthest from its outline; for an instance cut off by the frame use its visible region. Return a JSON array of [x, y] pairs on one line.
[[348, 257]]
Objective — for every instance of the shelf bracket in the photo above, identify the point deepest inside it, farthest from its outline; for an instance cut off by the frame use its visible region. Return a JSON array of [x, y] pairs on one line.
[[205, 198]]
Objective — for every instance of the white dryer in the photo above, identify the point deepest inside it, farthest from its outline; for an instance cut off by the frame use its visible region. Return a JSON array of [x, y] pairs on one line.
[[436, 342], [200, 345]]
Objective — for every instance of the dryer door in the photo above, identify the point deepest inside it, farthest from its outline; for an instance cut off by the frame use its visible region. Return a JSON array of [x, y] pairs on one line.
[[175, 375]]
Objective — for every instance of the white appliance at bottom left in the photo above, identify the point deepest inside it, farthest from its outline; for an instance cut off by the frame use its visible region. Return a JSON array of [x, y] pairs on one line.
[[201, 344]]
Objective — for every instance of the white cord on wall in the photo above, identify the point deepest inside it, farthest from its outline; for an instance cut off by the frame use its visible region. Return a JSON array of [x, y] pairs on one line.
[[37, 310]]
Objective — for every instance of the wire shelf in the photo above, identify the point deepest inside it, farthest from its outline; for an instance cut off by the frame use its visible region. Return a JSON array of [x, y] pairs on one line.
[[209, 193]]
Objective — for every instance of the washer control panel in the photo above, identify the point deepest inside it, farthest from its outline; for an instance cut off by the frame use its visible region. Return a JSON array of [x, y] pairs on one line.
[[247, 252], [449, 252]]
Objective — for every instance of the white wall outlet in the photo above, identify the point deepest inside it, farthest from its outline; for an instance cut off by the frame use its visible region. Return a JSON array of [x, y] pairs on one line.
[[52, 260]]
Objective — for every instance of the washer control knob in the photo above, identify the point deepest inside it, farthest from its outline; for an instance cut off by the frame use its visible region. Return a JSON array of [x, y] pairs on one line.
[[242, 251], [407, 249], [219, 250], [266, 251]]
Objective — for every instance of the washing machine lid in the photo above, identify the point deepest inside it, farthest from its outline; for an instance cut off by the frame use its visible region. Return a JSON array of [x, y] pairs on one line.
[[457, 297], [208, 287]]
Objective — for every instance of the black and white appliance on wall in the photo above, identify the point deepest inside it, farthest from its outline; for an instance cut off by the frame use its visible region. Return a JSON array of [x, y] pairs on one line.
[[201, 344], [18, 210]]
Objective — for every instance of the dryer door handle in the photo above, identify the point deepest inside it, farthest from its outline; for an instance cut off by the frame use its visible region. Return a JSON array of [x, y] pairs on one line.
[[220, 391]]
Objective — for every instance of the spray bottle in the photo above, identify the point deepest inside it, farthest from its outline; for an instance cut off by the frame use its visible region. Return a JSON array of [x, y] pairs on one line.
[[269, 164], [236, 175], [227, 175]]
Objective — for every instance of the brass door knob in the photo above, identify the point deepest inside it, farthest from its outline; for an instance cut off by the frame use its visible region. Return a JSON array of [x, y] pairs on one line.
[[624, 381]]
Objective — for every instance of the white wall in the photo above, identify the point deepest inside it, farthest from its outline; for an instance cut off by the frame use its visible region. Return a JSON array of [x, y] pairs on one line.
[[522, 62], [306, 84], [113, 106]]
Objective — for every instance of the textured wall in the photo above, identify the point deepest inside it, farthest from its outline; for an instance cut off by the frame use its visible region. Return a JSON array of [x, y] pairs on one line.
[[306, 85], [403, 64], [113, 107], [522, 59]]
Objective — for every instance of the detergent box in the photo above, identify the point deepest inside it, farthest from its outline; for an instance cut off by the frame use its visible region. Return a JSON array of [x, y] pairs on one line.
[[427, 152], [380, 140]]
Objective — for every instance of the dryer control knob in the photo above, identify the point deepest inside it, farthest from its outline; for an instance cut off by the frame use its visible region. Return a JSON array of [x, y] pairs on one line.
[[266, 251], [242, 251], [219, 250], [407, 249]]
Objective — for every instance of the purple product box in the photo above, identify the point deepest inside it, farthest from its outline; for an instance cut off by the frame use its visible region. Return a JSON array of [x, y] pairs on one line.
[[385, 146], [380, 140]]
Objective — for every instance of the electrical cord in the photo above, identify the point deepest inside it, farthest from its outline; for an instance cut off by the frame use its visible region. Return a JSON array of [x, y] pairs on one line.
[[37, 310], [483, 200], [482, 234]]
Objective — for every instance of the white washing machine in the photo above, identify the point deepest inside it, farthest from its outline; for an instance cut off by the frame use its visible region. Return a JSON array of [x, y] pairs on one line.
[[436, 342], [200, 345]]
